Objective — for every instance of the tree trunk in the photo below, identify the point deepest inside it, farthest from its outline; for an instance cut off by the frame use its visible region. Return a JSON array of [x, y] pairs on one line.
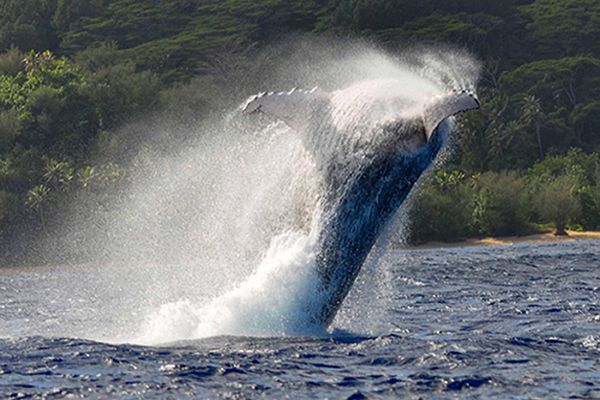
[[561, 231], [539, 140]]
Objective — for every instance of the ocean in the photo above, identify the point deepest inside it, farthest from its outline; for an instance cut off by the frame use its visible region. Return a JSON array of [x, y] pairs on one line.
[[509, 322]]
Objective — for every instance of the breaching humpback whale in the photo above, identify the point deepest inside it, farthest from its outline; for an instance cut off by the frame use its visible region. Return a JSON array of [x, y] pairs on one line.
[[371, 144]]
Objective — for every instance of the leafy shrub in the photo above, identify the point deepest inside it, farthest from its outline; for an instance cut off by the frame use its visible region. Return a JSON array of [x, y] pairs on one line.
[[11, 62], [556, 201], [500, 206], [590, 207], [442, 209], [118, 91], [452, 206], [579, 175]]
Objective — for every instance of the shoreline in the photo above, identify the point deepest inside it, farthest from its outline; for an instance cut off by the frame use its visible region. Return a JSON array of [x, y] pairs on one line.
[[547, 237]]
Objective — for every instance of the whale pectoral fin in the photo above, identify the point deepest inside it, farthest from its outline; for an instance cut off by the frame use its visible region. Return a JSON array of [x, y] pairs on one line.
[[439, 108], [293, 107]]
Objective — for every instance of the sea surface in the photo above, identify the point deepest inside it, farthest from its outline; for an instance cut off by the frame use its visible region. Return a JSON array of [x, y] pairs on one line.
[[520, 321]]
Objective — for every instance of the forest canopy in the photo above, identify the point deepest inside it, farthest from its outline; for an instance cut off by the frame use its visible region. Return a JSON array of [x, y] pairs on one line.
[[73, 71]]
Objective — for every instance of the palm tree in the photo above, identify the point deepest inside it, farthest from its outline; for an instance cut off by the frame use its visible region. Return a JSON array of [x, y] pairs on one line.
[[532, 114], [36, 199]]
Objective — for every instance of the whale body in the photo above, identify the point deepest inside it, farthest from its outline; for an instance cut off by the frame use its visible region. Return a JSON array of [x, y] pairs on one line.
[[371, 145]]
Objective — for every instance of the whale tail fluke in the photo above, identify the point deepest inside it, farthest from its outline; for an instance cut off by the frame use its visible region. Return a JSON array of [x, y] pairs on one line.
[[295, 106], [292, 107]]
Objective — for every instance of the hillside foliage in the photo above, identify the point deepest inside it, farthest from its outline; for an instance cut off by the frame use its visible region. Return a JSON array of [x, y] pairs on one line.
[[73, 71]]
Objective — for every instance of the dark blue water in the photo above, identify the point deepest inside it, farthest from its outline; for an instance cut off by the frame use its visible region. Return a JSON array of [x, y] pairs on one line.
[[487, 322]]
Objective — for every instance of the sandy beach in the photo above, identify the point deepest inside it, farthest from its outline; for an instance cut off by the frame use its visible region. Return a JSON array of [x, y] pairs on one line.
[[510, 240]]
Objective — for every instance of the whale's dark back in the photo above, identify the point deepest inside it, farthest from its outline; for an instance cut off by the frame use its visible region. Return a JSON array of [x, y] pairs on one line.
[[354, 220]]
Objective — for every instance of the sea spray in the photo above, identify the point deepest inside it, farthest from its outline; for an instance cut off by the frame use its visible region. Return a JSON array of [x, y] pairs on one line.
[[292, 290], [215, 231], [279, 298]]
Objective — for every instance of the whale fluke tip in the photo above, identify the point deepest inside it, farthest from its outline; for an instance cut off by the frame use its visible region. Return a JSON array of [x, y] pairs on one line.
[[292, 107], [441, 107]]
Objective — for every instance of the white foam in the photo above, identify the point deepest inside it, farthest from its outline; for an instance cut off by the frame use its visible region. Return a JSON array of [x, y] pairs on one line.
[[278, 299]]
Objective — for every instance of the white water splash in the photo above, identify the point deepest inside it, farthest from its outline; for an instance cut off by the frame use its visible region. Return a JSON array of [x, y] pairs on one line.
[[218, 233], [282, 295], [277, 299]]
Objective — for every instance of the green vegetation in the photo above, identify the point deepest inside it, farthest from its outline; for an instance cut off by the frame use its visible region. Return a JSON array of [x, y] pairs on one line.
[[560, 191], [53, 112], [73, 71]]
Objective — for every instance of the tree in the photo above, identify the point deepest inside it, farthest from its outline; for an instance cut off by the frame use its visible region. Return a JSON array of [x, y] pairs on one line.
[[11, 62], [564, 27], [37, 200], [8, 209], [563, 87], [534, 116], [9, 127], [500, 208], [556, 201], [26, 24], [585, 121]]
